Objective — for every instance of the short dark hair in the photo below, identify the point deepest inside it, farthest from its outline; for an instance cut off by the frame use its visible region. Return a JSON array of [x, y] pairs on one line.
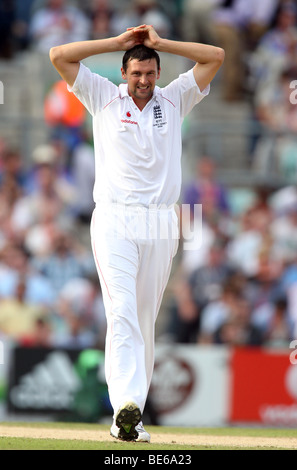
[[141, 53]]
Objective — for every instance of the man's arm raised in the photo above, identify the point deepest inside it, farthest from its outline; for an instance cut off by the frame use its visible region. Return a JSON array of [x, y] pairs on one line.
[[66, 58], [208, 58]]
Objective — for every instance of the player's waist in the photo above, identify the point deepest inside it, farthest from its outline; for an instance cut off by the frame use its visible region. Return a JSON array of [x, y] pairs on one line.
[[135, 207]]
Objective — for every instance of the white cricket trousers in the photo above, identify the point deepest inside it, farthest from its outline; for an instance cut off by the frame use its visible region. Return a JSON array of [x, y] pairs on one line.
[[133, 248]]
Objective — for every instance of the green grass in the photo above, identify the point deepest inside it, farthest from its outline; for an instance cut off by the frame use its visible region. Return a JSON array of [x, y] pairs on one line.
[[15, 443], [61, 444]]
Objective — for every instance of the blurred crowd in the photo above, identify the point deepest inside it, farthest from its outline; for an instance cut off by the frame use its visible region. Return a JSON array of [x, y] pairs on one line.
[[49, 289], [239, 286]]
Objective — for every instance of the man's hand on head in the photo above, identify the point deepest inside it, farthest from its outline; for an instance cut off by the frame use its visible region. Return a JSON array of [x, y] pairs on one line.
[[145, 34]]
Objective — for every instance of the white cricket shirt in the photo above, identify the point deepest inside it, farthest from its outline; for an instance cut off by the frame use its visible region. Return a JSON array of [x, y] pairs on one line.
[[137, 153]]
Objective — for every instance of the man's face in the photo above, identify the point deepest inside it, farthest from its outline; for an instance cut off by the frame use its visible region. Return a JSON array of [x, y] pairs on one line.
[[141, 78]]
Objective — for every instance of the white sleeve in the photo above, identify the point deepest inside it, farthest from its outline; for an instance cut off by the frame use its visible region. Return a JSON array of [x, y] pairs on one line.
[[186, 89], [93, 90]]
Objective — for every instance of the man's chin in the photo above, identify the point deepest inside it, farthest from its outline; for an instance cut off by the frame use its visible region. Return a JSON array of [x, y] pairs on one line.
[[145, 95]]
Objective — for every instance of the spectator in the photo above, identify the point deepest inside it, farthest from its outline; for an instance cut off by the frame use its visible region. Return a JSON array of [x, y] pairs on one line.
[[197, 22], [238, 329], [101, 15], [3, 150], [21, 24], [64, 116], [233, 22], [40, 236], [292, 302], [206, 282], [56, 155], [277, 114], [77, 336], [219, 312], [80, 315], [194, 293], [253, 235], [17, 315], [40, 336], [261, 15], [208, 191], [56, 24], [288, 289], [211, 200], [68, 261], [15, 262], [142, 12], [284, 233], [277, 49], [273, 319], [229, 19], [80, 318], [11, 191], [52, 195], [265, 286], [184, 316], [284, 225], [199, 236], [280, 332], [12, 168], [9, 197]]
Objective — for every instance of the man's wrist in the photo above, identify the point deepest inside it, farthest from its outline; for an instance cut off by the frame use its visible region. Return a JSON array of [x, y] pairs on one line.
[[161, 45], [118, 43]]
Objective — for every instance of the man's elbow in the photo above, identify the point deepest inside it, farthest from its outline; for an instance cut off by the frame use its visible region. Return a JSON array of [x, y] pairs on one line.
[[55, 55], [220, 55]]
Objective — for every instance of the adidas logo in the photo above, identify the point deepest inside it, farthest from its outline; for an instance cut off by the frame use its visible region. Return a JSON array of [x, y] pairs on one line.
[[50, 385]]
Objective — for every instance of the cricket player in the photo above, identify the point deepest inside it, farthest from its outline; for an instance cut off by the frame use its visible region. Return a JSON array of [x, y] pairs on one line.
[[134, 228]]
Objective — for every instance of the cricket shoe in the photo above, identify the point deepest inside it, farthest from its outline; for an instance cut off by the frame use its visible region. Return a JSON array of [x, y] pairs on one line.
[[143, 435], [126, 420]]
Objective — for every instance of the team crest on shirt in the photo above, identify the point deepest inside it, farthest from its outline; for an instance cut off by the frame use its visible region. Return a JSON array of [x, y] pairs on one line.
[[158, 116]]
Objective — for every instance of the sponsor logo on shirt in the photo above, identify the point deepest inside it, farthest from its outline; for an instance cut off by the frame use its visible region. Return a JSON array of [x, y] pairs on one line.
[[127, 121]]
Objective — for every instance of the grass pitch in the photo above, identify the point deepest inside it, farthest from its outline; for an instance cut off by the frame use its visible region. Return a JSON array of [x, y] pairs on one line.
[[74, 436]]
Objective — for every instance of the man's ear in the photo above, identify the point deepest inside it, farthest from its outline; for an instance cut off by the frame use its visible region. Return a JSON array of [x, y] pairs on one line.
[[124, 76], [159, 73]]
